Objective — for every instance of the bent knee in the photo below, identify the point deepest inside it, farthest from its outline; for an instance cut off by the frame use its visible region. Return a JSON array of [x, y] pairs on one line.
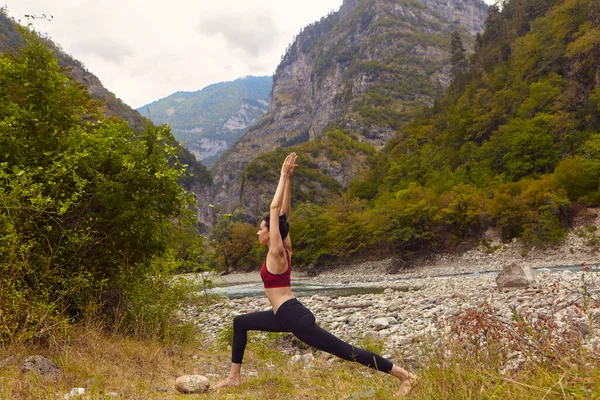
[[238, 322]]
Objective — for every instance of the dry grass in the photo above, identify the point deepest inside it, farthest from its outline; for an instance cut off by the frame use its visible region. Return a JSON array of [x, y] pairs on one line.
[[110, 366], [106, 364]]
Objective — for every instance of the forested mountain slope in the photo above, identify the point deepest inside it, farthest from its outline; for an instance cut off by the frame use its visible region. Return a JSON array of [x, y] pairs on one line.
[[364, 69], [512, 148], [514, 145]]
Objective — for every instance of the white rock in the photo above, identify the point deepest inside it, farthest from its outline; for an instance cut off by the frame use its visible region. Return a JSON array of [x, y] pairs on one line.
[[515, 275], [296, 359], [192, 384], [75, 392], [380, 323]]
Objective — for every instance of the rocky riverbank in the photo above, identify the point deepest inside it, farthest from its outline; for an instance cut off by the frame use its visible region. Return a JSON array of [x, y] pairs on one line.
[[420, 302], [410, 312]]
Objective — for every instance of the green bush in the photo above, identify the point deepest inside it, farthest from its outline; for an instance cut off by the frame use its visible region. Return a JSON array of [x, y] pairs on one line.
[[87, 207], [536, 210], [236, 245], [578, 176], [465, 211], [308, 229]]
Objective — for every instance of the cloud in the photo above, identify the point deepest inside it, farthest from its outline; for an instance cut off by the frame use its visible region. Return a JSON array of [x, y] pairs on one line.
[[249, 32], [103, 48], [147, 50]]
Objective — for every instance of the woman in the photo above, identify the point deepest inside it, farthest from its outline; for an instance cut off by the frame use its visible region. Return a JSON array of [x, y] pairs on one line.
[[288, 314]]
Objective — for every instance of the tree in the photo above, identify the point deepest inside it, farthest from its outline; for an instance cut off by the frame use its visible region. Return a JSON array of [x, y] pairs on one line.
[[88, 209], [458, 61]]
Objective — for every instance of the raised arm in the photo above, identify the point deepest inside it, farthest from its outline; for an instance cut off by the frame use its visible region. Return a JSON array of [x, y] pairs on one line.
[[287, 205], [286, 208], [276, 259]]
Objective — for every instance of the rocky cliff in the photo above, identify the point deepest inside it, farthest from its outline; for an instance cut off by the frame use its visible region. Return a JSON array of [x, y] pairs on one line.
[[364, 69]]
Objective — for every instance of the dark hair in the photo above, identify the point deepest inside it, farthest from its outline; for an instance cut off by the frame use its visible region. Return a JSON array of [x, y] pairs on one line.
[[284, 226]]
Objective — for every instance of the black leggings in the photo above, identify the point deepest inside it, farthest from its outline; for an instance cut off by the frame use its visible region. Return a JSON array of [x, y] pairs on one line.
[[293, 317]]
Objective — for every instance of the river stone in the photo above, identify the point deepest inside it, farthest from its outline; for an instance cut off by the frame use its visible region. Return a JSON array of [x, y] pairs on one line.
[[75, 392], [584, 329], [40, 365], [192, 384], [380, 323], [296, 359], [11, 360], [516, 276]]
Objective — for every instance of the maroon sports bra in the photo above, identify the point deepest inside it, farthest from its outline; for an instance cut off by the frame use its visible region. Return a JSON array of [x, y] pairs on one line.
[[276, 280]]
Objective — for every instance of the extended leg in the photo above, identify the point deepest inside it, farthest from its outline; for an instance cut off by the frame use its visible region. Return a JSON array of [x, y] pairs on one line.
[[304, 327], [315, 336], [301, 322]]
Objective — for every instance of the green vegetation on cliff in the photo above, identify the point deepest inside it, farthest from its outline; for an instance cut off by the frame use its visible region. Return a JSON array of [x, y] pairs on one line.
[[514, 145]]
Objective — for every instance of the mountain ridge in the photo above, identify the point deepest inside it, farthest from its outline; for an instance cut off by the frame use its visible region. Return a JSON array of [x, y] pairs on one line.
[[209, 120]]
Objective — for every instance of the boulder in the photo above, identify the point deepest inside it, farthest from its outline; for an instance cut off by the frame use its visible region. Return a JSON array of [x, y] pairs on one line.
[[516, 276], [40, 365], [192, 384], [584, 329], [75, 392]]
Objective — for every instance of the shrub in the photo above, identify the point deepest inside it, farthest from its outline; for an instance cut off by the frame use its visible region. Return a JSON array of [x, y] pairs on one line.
[[89, 211]]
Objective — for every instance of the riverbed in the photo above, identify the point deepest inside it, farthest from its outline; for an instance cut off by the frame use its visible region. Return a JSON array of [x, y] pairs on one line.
[[304, 286], [420, 300]]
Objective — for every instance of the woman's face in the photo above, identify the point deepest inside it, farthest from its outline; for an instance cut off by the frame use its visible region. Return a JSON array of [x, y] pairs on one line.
[[263, 233]]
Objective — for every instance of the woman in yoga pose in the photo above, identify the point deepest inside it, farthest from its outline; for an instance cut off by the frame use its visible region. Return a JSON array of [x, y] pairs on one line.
[[288, 314]]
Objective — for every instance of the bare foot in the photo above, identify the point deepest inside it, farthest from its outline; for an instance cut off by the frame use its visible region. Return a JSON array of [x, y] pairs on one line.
[[229, 382], [407, 384]]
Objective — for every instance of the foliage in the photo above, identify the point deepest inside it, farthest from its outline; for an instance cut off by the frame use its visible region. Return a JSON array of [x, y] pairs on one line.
[[536, 210], [458, 60], [466, 210], [89, 210], [235, 245], [510, 145], [308, 229]]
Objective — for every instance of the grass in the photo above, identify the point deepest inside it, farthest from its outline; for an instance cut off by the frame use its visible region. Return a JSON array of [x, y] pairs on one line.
[[134, 369], [143, 369], [472, 364]]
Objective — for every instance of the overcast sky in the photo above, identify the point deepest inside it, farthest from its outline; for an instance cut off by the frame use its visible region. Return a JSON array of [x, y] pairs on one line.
[[144, 50]]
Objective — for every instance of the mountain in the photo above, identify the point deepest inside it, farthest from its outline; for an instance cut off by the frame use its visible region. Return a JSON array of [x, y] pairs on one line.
[[510, 153], [364, 69], [210, 120]]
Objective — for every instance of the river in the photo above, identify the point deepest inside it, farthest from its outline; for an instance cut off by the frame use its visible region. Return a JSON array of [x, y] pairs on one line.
[[307, 286]]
